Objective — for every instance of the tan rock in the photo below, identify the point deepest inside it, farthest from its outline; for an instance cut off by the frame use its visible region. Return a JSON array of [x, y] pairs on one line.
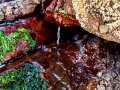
[[99, 17], [99, 74], [103, 28]]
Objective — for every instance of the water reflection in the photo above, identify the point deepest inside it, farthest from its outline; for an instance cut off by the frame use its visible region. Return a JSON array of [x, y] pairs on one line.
[[74, 65]]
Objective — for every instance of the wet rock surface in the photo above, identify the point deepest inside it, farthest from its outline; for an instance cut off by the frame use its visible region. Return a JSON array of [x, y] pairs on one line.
[[61, 13], [10, 10], [96, 18], [68, 13], [80, 62], [34, 25]]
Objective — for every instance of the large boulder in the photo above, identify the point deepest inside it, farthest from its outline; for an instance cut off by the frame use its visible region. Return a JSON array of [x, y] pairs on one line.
[[13, 9], [100, 17], [97, 17]]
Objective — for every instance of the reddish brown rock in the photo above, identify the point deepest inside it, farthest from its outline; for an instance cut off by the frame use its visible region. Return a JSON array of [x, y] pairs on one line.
[[98, 20], [38, 29], [61, 14]]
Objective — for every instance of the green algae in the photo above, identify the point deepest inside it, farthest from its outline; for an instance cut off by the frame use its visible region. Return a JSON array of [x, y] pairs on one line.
[[6, 46], [14, 37], [27, 78], [26, 36]]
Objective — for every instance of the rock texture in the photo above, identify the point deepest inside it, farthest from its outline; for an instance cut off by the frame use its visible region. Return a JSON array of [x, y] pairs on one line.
[[18, 8], [61, 13], [99, 17], [38, 29], [88, 63]]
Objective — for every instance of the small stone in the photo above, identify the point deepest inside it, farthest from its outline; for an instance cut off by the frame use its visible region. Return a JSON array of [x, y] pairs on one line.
[[102, 82], [96, 1], [99, 74], [100, 87], [103, 29]]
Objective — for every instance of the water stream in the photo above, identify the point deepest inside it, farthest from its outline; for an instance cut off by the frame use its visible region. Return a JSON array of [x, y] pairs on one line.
[[73, 61], [58, 35]]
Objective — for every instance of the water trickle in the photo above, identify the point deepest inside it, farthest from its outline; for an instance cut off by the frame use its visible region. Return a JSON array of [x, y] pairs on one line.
[[57, 76], [58, 38], [2, 65], [58, 35]]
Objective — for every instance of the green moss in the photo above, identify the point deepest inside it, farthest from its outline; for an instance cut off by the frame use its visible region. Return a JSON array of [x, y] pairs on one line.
[[65, 13], [26, 36], [14, 37], [6, 46], [55, 9], [27, 78], [22, 30], [59, 9]]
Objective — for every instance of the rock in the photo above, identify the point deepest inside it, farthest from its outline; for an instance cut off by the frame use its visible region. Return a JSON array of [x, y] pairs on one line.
[[44, 5], [38, 29], [70, 13], [101, 18], [61, 13], [99, 74], [74, 64], [18, 8]]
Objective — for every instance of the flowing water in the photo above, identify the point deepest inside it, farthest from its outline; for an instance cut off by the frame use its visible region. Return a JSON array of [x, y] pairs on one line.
[[58, 35], [74, 61]]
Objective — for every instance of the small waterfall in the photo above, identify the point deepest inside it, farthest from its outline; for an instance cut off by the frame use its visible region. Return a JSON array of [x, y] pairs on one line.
[[58, 38], [58, 35]]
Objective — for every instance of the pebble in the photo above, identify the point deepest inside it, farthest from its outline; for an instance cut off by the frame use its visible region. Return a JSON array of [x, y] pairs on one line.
[[99, 74]]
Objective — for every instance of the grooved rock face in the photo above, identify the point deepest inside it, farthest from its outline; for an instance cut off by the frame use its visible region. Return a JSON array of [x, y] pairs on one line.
[[100, 17]]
